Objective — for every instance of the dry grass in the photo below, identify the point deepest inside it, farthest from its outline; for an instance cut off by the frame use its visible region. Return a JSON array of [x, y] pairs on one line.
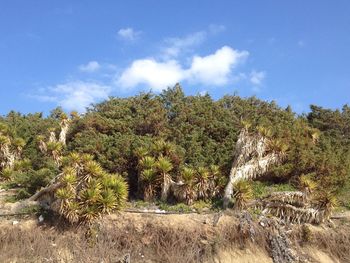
[[333, 241], [158, 238], [108, 241]]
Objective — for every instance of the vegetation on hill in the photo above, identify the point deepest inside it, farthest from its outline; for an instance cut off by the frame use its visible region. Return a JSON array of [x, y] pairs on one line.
[[171, 147]]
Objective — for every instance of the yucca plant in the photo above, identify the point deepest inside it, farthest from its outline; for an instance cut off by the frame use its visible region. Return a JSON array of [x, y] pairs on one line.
[[22, 165], [4, 140], [3, 128], [242, 195], [6, 173], [277, 145], [266, 132], [147, 162], [149, 182], [246, 124], [326, 201], [164, 166], [141, 152], [55, 149], [201, 184], [186, 192], [108, 200], [216, 183], [90, 193], [92, 169], [306, 184], [19, 142]]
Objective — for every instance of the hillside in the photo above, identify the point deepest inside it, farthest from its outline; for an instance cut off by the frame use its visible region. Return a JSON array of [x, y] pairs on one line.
[[262, 169]]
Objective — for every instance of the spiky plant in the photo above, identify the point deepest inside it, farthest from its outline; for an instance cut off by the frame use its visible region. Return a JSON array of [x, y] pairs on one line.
[[4, 140], [6, 173], [85, 157], [108, 200], [149, 177], [19, 142], [164, 166], [159, 146], [246, 124], [187, 191], [242, 195], [73, 159], [92, 169], [264, 131], [201, 184], [147, 162], [278, 146], [326, 201], [315, 135], [216, 182], [141, 152], [89, 193], [22, 165], [306, 184], [3, 128], [55, 149]]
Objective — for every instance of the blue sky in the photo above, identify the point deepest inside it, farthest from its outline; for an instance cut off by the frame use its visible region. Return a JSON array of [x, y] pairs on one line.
[[73, 53]]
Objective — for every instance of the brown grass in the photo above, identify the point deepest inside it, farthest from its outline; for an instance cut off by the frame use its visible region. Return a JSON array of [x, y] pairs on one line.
[[158, 238], [333, 241], [108, 241]]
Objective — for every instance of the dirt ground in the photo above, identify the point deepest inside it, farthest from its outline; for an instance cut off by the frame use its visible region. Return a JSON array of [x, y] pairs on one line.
[[149, 237]]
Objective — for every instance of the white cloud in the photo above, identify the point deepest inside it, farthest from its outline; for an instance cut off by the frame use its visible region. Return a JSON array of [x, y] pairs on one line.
[[174, 46], [214, 69], [74, 95], [92, 66], [156, 75], [257, 77], [128, 34]]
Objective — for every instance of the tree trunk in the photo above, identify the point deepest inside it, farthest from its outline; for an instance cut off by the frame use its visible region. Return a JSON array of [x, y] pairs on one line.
[[249, 161], [64, 129], [165, 187], [47, 190]]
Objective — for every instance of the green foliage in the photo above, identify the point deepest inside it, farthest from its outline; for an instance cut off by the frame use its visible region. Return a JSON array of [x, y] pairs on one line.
[[88, 192], [263, 189], [144, 136], [178, 208], [242, 194]]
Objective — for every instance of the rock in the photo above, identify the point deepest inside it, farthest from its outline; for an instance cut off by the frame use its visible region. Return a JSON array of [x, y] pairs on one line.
[[41, 219], [15, 222]]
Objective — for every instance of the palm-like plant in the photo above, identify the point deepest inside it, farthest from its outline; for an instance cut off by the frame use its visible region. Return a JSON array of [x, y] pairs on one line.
[[186, 191], [326, 201], [306, 184], [264, 131], [201, 183], [164, 166], [92, 169], [55, 149], [148, 177], [108, 200], [3, 128], [215, 184], [4, 140], [89, 193], [246, 124], [279, 146], [141, 152], [243, 194], [6, 173], [147, 162]]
